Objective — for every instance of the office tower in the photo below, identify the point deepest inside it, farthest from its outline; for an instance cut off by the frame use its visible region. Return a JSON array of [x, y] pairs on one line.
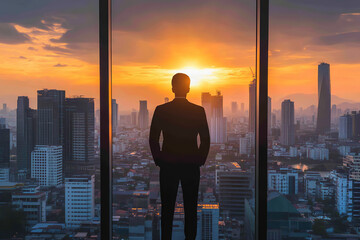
[[324, 99], [133, 118], [143, 118], [252, 105], [209, 221], [50, 117], [285, 181], [235, 186], [345, 126], [166, 100], [234, 107], [4, 144], [334, 114], [114, 116], [242, 108], [355, 124], [217, 122], [79, 129], [46, 165], [287, 132], [213, 105], [33, 204], [206, 104], [79, 189], [269, 116], [4, 109], [25, 133]]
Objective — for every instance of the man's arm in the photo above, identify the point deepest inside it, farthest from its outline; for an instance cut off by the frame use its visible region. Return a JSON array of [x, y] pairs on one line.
[[155, 130], [204, 137]]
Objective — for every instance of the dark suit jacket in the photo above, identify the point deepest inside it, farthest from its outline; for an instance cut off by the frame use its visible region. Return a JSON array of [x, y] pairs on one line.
[[180, 122]]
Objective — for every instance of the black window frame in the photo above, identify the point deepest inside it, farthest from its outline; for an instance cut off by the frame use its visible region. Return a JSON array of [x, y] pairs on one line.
[[105, 51]]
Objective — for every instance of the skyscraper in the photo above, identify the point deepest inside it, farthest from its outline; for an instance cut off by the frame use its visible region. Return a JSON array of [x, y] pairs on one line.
[[234, 107], [46, 165], [143, 120], [50, 118], [324, 99], [25, 133], [252, 105], [79, 129], [287, 132], [345, 126], [206, 104], [133, 118], [213, 105], [114, 116], [269, 116], [4, 144]]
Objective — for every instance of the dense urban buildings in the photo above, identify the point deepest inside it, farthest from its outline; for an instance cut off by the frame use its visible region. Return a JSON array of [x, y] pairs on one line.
[[4, 144], [252, 105]]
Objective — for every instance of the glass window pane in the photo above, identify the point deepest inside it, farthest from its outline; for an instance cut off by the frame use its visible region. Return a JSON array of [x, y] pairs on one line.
[[214, 43], [49, 126], [314, 112]]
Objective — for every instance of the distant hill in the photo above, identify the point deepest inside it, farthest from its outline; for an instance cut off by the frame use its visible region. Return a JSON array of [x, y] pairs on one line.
[[306, 100]]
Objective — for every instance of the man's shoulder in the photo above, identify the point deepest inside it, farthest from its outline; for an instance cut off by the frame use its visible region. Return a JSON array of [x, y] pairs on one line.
[[195, 106]]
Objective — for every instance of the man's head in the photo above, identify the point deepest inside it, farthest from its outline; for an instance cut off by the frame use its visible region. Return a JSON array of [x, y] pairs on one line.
[[180, 84]]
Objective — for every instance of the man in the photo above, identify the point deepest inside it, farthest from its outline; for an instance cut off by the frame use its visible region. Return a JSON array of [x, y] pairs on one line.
[[180, 158]]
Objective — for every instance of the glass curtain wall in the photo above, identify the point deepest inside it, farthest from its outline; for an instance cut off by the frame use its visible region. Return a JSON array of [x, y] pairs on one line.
[[313, 165], [214, 43], [49, 120]]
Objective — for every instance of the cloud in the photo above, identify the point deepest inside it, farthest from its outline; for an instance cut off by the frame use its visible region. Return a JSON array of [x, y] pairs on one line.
[[56, 49], [348, 37], [9, 35], [22, 57], [60, 65], [32, 49]]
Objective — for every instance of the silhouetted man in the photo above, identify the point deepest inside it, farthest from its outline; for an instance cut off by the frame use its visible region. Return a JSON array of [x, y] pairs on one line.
[[180, 157]]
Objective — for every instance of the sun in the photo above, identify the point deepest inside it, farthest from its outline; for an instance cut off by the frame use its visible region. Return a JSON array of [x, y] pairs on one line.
[[197, 75]]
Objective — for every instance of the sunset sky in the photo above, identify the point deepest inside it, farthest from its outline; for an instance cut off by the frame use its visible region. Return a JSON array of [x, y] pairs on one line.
[[54, 44]]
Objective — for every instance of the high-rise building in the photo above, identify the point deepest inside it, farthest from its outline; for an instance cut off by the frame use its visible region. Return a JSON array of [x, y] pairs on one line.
[[217, 122], [206, 103], [143, 118], [50, 117], [4, 144], [79, 200], [285, 181], [355, 124], [345, 126], [115, 114], [133, 118], [242, 108], [269, 116], [252, 105], [4, 174], [79, 129], [287, 132], [213, 105], [4, 109], [235, 186], [234, 108], [324, 99], [209, 221], [25, 133], [46, 165], [32, 202]]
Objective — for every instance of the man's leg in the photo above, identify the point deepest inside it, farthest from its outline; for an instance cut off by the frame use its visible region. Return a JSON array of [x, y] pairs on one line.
[[190, 186], [169, 182]]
